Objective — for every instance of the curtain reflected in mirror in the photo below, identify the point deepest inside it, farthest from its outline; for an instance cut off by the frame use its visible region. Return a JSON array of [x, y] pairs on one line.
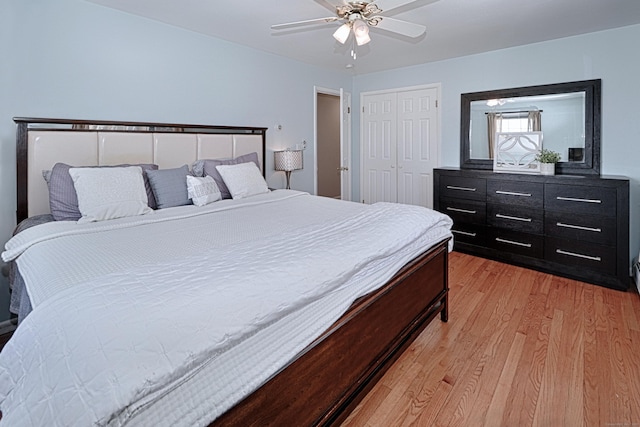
[[535, 121], [494, 124]]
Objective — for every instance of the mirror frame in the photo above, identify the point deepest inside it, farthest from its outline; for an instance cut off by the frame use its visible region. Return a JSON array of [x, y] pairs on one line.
[[592, 89]]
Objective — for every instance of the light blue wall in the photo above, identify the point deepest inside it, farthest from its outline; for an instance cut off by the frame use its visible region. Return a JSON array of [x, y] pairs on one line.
[[74, 59], [608, 55]]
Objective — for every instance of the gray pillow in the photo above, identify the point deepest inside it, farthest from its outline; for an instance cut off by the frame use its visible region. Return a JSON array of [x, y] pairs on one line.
[[170, 186], [63, 201], [209, 167]]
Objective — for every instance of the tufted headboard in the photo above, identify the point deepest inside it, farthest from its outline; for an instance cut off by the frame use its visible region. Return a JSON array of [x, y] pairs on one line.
[[41, 143]]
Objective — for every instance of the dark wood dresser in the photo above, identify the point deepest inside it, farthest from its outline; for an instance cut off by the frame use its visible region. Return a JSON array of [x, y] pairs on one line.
[[570, 225]]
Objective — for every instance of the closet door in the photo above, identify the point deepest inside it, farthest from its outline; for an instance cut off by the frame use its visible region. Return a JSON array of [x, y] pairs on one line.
[[417, 147], [379, 154]]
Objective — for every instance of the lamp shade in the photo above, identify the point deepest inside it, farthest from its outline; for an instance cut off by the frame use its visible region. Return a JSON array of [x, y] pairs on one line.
[[361, 31], [288, 160], [342, 33]]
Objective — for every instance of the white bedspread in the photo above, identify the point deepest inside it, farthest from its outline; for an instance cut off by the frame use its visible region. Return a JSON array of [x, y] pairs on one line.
[[128, 242], [129, 342]]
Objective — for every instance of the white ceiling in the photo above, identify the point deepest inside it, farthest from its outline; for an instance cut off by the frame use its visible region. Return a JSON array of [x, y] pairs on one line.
[[454, 27]]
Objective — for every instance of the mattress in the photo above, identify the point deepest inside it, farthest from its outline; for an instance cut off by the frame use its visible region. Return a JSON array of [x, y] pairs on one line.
[[128, 330]]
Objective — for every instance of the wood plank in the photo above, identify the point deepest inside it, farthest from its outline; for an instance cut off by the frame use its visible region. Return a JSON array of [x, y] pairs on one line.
[[592, 379], [573, 346], [619, 398], [499, 399], [546, 413], [521, 348]]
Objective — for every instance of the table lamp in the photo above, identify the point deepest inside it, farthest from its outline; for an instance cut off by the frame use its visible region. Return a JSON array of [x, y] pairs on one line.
[[287, 161]]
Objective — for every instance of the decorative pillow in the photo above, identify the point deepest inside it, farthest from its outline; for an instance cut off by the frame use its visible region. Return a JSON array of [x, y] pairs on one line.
[[202, 190], [243, 180], [209, 169], [63, 201], [197, 167], [170, 186], [109, 193]]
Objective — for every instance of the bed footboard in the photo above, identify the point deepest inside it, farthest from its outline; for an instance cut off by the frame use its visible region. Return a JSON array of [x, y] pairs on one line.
[[325, 383]]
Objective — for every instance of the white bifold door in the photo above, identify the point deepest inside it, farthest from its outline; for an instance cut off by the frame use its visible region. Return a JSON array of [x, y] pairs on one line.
[[399, 146]]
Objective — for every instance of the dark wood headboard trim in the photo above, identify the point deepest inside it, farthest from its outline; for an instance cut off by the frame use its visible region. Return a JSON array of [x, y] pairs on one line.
[[25, 124]]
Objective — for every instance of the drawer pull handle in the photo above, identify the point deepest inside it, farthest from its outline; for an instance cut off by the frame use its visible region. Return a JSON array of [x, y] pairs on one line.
[[461, 210], [453, 187], [511, 193], [579, 227], [465, 233], [573, 199], [511, 242], [592, 258], [515, 218]]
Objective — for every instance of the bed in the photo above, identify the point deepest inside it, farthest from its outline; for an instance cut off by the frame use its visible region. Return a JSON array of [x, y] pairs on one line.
[[321, 295]]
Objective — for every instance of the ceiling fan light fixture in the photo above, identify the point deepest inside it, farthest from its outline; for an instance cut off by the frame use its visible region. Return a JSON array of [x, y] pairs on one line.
[[342, 33], [363, 39], [361, 31]]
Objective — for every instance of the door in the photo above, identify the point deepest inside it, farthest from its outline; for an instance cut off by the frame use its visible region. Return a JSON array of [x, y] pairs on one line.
[[417, 146], [378, 148], [400, 145], [345, 145]]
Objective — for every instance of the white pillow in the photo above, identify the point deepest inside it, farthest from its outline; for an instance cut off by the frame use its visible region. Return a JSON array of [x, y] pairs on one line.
[[202, 190], [108, 193], [243, 179]]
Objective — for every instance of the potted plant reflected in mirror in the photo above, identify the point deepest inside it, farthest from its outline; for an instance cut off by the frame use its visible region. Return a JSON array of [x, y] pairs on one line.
[[548, 160]]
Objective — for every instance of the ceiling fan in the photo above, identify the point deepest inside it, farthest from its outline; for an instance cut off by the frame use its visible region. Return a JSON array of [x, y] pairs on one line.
[[358, 16]]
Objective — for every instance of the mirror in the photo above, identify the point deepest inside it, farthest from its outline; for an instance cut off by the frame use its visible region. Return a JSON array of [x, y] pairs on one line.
[[567, 114]]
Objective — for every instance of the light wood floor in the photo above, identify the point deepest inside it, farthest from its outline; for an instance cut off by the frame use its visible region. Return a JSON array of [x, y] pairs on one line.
[[521, 348]]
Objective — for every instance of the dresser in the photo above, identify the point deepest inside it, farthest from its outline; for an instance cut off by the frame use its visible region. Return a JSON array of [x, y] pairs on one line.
[[569, 225]]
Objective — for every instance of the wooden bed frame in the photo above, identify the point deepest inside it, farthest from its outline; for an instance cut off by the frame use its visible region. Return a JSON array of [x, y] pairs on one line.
[[325, 382]]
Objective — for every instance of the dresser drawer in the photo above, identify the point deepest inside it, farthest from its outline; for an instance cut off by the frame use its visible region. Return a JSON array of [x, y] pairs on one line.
[[588, 228], [464, 211], [519, 193], [581, 254], [517, 218], [463, 187], [511, 242], [580, 199], [466, 233]]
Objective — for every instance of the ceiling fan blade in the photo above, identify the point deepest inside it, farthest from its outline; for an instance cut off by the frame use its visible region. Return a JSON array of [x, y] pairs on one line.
[[405, 28], [332, 4], [307, 22], [391, 4]]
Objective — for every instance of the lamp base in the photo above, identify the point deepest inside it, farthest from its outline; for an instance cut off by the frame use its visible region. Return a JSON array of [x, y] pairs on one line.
[[288, 175]]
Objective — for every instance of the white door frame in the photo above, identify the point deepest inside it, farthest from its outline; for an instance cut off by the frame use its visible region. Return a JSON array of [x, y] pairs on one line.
[[345, 139], [437, 86]]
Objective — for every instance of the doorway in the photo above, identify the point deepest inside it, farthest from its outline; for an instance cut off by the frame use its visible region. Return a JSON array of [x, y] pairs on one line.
[[333, 143], [328, 140]]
